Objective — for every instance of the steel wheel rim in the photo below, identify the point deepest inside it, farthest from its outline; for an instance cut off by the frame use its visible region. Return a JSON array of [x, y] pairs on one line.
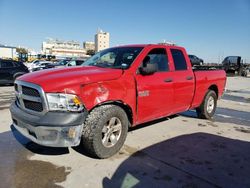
[[111, 132], [210, 104]]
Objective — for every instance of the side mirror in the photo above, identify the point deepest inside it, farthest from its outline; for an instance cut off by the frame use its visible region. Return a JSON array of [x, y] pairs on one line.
[[150, 68]]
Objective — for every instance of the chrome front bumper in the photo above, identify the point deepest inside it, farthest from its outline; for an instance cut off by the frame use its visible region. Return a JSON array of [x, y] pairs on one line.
[[51, 129]]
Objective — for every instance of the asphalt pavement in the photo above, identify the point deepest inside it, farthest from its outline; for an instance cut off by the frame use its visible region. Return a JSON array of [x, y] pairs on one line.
[[179, 151]]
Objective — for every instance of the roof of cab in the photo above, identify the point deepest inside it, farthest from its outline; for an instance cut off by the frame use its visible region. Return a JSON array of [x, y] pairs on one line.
[[144, 45]]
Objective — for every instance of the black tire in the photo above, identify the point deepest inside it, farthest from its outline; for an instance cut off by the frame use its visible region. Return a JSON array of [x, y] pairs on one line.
[[206, 111], [93, 135]]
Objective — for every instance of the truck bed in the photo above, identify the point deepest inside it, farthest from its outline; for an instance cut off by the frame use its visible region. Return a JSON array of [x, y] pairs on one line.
[[207, 67], [205, 79]]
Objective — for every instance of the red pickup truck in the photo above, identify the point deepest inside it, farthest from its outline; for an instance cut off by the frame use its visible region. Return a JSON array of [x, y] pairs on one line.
[[115, 89]]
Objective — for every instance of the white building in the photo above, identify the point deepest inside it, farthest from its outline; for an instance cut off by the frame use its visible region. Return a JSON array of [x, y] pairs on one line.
[[88, 45], [62, 48], [101, 40], [8, 52]]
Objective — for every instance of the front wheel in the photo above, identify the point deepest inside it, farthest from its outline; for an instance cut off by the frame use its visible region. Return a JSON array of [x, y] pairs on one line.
[[207, 109], [105, 131]]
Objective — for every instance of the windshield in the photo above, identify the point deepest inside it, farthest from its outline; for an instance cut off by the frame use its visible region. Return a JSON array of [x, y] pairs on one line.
[[121, 57]]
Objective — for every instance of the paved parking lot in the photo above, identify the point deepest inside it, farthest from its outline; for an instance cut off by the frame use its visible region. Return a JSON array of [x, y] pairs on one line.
[[181, 151]]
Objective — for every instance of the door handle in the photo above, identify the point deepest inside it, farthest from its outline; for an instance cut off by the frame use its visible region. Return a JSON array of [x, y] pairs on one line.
[[189, 77], [168, 80]]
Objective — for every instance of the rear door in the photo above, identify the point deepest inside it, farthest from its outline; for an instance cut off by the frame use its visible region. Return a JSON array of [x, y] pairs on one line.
[[155, 92], [183, 80]]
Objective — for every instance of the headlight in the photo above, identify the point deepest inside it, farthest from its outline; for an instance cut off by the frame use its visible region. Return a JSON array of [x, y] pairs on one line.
[[64, 102]]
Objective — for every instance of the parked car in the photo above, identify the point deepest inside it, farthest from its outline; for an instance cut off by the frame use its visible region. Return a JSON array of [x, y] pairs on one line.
[[43, 65], [234, 64], [10, 70], [115, 89], [62, 63], [76, 62], [34, 65], [195, 60]]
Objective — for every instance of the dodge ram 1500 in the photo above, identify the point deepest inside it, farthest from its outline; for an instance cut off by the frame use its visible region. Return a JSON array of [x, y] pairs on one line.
[[114, 90]]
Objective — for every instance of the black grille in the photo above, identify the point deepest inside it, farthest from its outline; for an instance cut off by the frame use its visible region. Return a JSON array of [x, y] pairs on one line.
[[35, 106], [30, 91]]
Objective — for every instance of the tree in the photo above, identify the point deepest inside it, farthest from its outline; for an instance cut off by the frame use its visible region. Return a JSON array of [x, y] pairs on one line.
[[91, 52], [22, 54], [22, 51]]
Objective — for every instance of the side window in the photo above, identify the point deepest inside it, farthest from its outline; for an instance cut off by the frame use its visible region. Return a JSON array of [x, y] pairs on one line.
[[179, 59], [159, 57], [6, 64]]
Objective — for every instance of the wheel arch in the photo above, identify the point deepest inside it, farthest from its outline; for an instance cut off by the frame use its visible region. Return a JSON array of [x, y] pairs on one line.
[[121, 104], [215, 89]]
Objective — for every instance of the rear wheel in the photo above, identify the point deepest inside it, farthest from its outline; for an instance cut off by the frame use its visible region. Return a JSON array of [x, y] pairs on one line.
[[208, 106], [105, 131]]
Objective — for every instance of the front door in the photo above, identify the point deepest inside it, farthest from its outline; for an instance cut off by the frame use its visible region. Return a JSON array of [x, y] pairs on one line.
[[154, 92]]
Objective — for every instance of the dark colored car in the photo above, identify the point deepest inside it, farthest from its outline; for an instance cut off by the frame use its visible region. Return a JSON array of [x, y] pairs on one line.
[[195, 60], [10, 70], [232, 64]]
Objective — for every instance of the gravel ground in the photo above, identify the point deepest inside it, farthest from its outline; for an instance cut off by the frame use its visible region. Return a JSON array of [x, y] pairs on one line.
[[181, 151]]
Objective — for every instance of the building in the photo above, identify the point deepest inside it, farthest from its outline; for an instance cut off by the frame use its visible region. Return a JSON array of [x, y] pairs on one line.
[[101, 40], [61, 48], [89, 45], [8, 52]]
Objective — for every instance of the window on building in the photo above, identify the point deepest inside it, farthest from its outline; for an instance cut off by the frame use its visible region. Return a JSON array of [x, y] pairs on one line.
[[159, 57], [179, 59]]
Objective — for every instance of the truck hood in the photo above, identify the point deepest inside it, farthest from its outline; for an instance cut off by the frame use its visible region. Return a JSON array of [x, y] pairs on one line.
[[59, 78]]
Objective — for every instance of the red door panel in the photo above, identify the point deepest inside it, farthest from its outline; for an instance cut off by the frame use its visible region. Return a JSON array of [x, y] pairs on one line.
[[155, 96], [183, 90]]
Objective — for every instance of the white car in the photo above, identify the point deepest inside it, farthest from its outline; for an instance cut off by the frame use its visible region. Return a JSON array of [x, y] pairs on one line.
[[36, 63]]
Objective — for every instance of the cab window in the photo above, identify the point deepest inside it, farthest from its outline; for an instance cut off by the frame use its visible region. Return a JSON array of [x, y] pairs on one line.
[[179, 59], [159, 57]]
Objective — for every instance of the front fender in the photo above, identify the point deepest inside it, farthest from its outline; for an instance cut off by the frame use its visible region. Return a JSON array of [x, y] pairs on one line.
[[122, 90]]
